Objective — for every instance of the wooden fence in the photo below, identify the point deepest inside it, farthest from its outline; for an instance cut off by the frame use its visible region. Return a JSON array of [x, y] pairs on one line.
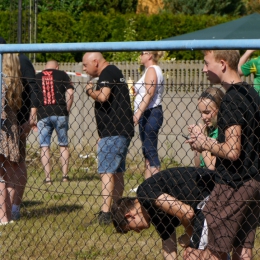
[[184, 81]]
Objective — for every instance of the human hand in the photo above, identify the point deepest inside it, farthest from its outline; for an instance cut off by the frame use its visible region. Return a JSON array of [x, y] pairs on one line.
[[197, 137], [25, 129], [184, 240], [89, 86], [197, 128]]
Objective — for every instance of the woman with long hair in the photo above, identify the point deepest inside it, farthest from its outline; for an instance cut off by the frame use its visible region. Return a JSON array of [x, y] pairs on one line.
[[9, 134], [208, 105]]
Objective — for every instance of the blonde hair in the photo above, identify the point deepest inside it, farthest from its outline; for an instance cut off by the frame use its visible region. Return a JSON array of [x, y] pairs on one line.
[[14, 87], [232, 57], [157, 55]]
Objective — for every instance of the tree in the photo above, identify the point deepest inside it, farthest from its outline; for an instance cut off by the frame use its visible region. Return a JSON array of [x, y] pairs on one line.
[[129, 35], [76, 7], [253, 6], [232, 7]]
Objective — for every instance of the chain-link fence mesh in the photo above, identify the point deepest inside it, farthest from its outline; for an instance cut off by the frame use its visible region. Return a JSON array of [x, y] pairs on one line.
[[59, 219]]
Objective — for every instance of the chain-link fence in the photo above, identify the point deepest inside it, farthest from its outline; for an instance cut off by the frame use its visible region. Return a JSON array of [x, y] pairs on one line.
[[59, 219]]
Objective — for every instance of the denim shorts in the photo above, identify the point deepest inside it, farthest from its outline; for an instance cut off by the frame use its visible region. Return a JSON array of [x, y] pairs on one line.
[[112, 154], [46, 127], [149, 126]]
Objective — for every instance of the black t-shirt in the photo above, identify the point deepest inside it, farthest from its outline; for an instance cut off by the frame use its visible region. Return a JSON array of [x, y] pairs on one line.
[[29, 88], [52, 93], [188, 184], [240, 106], [114, 117]]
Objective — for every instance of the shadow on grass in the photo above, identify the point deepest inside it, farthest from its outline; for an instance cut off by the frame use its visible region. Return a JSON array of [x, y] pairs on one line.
[[55, 210], [86, 177], [31, 203]]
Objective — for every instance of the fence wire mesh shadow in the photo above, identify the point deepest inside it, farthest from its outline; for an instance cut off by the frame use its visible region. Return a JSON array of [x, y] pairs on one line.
[[59, 220]]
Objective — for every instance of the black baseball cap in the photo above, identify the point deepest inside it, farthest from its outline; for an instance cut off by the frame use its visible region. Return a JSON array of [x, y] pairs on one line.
[[2, 40]]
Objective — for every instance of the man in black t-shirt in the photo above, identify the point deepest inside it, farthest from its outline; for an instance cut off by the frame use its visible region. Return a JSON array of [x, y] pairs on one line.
[[52, 105], [115, 126], [165, 200]]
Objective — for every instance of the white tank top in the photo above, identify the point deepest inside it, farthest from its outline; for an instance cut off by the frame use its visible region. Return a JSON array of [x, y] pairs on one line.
[[140, 89]]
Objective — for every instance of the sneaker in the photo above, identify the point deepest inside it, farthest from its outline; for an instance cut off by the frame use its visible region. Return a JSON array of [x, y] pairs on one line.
[[16, 215], [104, 218], [6, 223]]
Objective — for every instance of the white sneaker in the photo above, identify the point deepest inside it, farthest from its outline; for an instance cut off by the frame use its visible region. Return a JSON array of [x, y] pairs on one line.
[[134, 189], [6, 223]]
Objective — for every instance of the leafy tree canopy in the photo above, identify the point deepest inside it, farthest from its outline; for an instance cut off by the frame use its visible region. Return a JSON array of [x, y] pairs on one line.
[[232, 7], [75, 7]]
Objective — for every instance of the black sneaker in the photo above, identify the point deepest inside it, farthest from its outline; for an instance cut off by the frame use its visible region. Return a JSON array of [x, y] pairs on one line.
[[104, 218]]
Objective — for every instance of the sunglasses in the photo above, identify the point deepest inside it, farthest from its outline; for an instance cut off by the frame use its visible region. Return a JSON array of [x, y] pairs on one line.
[[143, 53]]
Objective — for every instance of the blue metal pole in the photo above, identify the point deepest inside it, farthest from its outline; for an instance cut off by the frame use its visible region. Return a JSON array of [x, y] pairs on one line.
[[134, 46], [1, 77]]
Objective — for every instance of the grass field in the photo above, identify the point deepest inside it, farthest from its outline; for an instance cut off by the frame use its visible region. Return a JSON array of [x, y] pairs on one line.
[[59, 222]]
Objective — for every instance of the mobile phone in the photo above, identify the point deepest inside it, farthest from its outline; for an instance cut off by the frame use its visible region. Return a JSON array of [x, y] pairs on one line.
[[186, 137]]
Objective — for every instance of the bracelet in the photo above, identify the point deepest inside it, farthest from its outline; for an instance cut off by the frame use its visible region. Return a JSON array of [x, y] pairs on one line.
[[88, 91]]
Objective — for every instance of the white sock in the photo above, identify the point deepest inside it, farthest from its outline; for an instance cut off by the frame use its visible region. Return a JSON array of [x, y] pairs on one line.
[[15, 208]]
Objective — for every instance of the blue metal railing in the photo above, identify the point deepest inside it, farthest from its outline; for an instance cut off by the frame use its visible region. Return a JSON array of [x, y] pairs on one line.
[[127, 46], [133, 46]]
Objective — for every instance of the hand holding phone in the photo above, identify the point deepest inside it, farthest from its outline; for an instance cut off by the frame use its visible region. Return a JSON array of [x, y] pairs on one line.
[[186, 137]]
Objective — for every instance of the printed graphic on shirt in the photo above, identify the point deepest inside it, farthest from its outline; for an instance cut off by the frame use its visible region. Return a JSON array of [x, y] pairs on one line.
[[48, 88]]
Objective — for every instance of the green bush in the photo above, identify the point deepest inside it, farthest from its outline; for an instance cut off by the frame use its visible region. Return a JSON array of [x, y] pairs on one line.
[[61, 27], [56, 27]]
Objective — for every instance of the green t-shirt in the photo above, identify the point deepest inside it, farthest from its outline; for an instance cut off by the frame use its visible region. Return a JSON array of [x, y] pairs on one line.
[[253, 66], [213, 134]]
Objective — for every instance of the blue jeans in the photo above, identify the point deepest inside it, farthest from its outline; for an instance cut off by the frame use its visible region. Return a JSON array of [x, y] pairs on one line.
[[149, 126], [46, 127], [112, 154]]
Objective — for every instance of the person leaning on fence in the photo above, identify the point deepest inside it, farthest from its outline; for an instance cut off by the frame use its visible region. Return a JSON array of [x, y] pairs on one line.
[[148, 109], [115, 126], [246, 67], [231, 211], [9, 146], [165, 200], [53, 106]]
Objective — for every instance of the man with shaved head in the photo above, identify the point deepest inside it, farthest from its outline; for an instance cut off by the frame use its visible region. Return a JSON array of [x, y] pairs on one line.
[[115, 127], [55, 99]]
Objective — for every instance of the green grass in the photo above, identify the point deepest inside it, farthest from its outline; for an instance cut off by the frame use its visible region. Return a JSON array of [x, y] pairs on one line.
[[59, 222]]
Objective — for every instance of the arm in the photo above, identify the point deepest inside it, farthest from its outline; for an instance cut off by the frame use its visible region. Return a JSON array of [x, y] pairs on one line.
[[101, 95], [243, 60], [230, 149], [25, 129], [197, 159], [169, 247], [33, 116], [209, 159], [174, 207], [150, 86], [69, 98]]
